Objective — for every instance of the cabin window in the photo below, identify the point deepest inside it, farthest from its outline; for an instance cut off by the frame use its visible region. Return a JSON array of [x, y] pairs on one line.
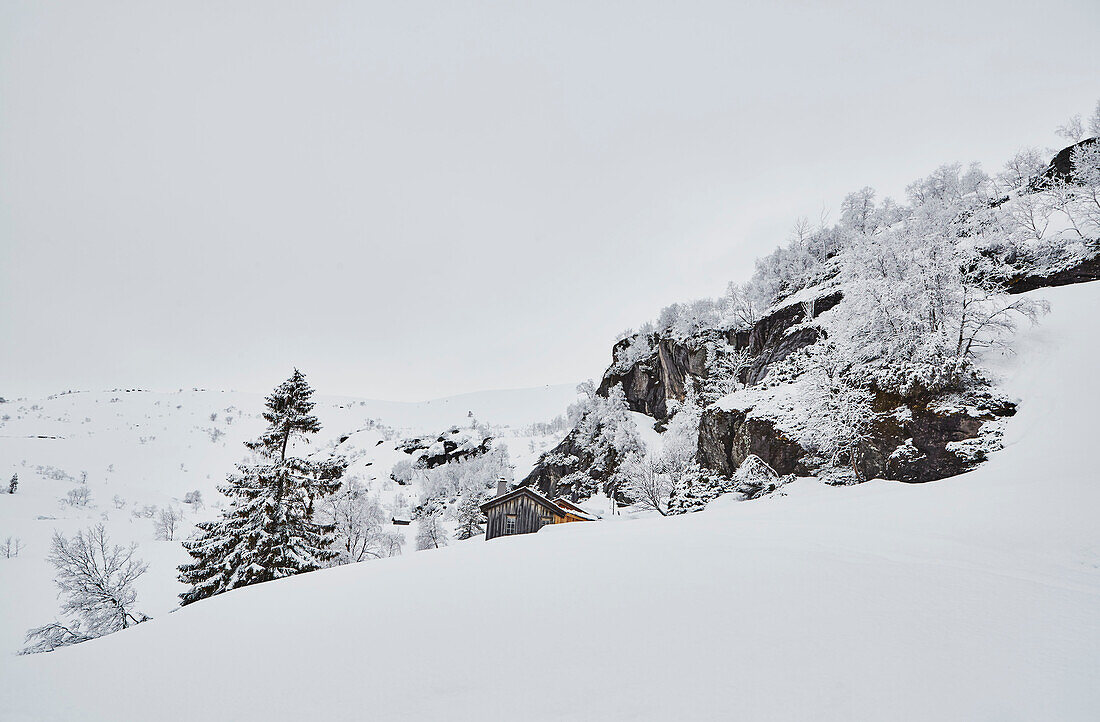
[[547, 520], [510, 524]]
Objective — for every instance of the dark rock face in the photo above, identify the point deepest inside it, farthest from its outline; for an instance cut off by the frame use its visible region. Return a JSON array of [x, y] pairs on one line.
[[569, 456], [1087, 270], [915, 448], [550, 470], [651, 383], [910, 446], [661, 377], [727, 438], [450, 446], [1061, 165], [769, 341]]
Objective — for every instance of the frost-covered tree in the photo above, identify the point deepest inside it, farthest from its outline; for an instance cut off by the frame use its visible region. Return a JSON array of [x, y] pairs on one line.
[[95, 580], [604, 434], [1078, 198], [13, 484], [360, 524], [918, 304], [741, 306], [650, 480], [858, 212], [268, 531], [194, 500], [1072, 130], [430, 533], [470, 517], [11, 547], [647, 484], [1028, 213], [725, 364], [836, 413], [402, 471], [168, 522]]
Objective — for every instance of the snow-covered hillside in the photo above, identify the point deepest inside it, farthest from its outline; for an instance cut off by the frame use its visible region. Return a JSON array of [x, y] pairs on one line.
[[973, 598], [135, 453]]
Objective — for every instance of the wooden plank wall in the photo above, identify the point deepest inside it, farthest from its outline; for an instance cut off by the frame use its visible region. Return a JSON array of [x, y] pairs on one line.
[[528, 516]]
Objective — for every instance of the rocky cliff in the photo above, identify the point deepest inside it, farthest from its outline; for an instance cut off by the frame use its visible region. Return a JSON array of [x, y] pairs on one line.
[[917, 438], [651, 383]]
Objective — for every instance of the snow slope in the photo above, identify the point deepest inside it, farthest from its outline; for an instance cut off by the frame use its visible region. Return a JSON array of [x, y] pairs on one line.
[[138, 449], [973, 598]]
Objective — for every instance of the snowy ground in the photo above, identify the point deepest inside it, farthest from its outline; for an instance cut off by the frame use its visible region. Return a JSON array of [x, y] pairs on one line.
[[139, 450], [973, 598]]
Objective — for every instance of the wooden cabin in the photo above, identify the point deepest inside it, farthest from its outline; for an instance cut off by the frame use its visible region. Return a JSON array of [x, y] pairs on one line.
[[525, 511]]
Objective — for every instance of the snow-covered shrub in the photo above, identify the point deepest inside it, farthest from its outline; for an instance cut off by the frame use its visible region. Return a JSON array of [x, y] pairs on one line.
[[79, 496], [51, 472], [695, 488]]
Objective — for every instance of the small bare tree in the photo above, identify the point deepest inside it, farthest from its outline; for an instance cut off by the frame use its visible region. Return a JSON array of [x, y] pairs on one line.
[[96, 584], [646, 482], [167, 523], [11, 548], [430, 533]]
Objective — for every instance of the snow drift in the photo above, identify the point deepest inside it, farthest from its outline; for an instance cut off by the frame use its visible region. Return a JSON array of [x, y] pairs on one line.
[[976, 597]]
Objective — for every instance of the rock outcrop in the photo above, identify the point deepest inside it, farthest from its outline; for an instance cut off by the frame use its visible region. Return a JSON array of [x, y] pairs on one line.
[[652, 382], [1082, 272], [452, 445], [912, 440]]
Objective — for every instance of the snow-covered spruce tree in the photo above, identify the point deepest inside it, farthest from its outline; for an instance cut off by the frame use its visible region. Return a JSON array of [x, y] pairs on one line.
[[469, 516], [13, 484], [695, 488], [96, 583], [268, 532]]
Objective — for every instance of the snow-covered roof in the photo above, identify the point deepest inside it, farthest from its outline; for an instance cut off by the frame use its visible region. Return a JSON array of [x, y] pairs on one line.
[[572, 510]]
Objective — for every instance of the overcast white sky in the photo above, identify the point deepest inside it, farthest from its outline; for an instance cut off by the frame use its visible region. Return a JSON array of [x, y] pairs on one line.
[[415, 199]]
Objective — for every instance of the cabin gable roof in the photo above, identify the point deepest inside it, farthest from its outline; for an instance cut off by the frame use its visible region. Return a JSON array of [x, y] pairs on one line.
[[528, 492]]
